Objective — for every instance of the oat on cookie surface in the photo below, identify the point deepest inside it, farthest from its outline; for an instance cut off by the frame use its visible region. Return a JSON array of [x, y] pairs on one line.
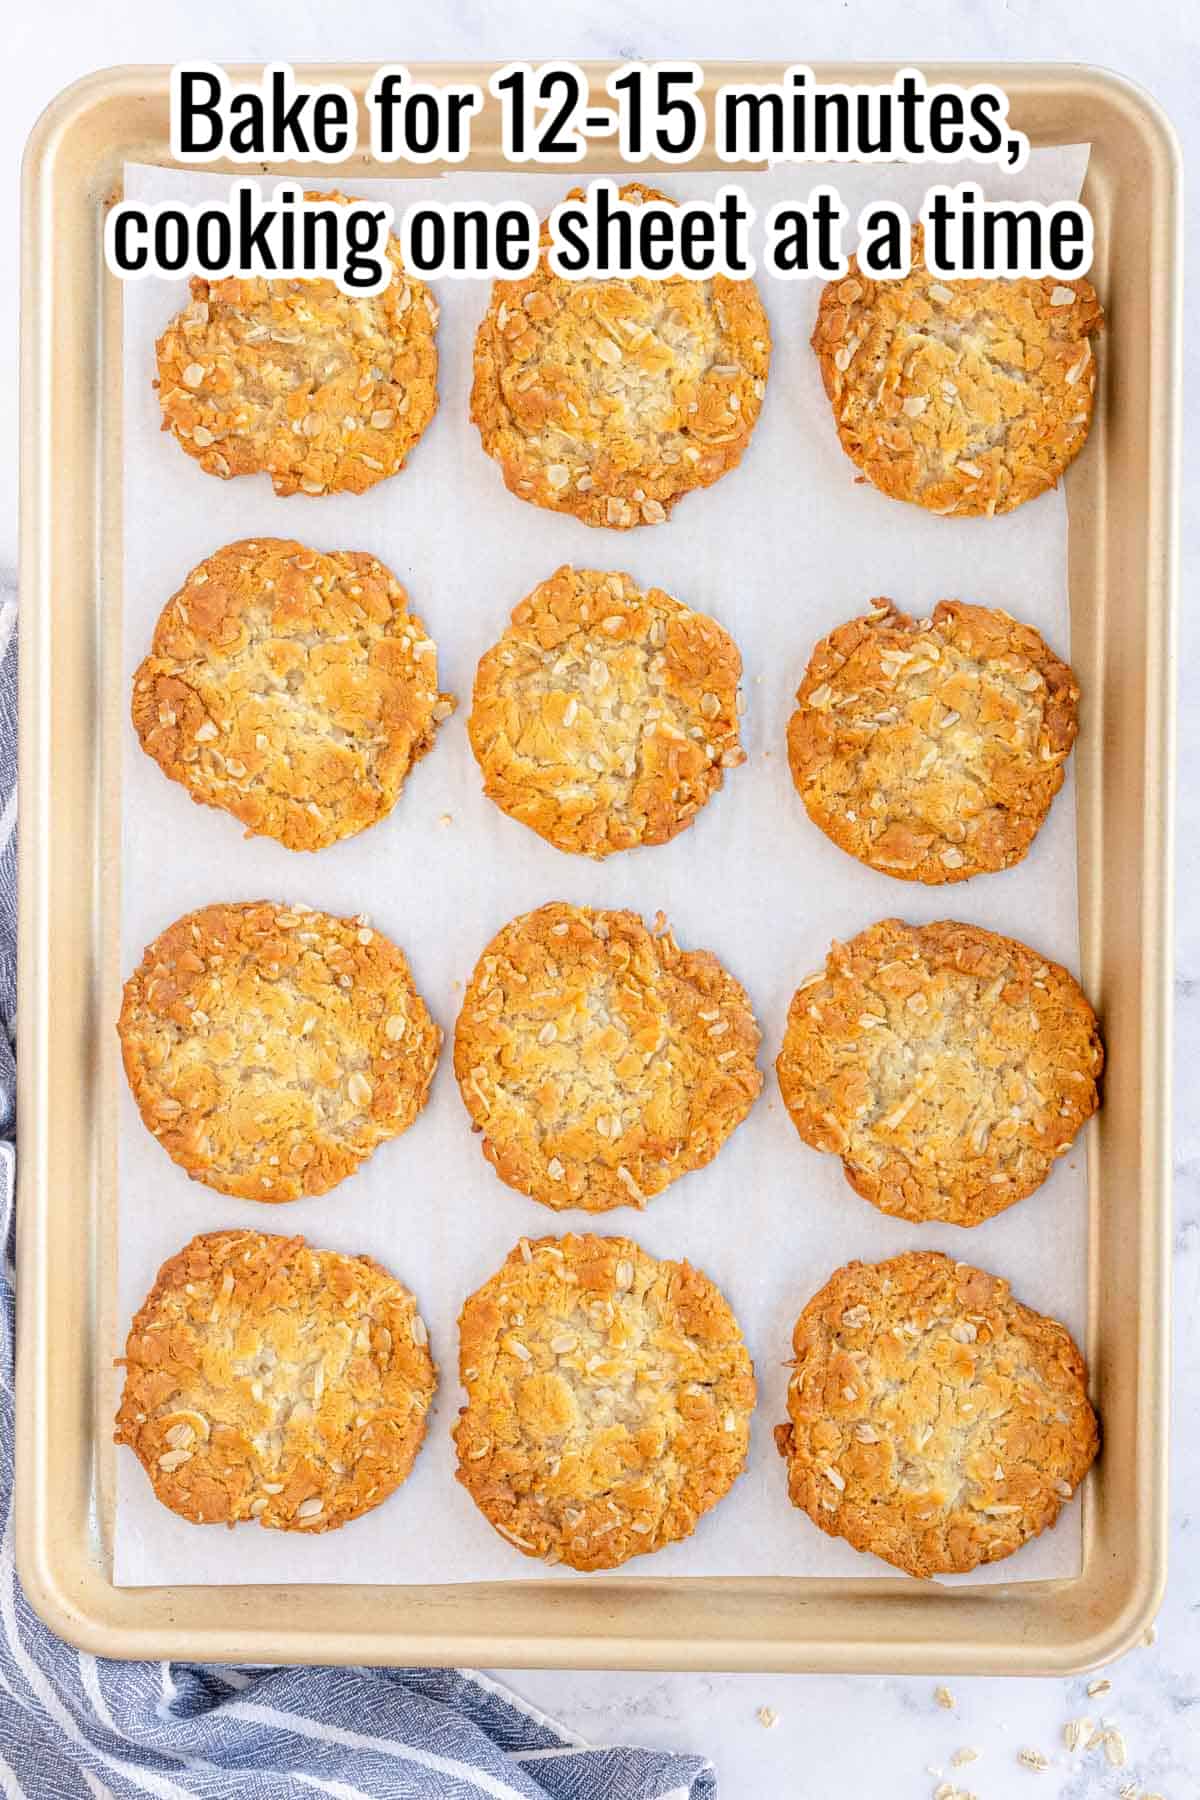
[[324, 391], [291, 688], [932, 749], [610, 399], [946, 1065], [268, 1381], [608, 1400], [605, 716], [271, 1049], [962, 396], [599, 1060], [934, 1420]]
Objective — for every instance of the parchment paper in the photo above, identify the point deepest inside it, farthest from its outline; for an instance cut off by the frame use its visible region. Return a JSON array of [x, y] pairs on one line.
[[780, 551]]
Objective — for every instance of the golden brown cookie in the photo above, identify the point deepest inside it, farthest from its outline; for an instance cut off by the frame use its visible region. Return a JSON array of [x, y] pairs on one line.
[[291, 688], [610, 399], [608, 1400], [962, 396], [271, 1049], [268, 1381], [324, 391], [931, 749], [935, 1421], [605, 717], [947, 1066], [600, 1060]]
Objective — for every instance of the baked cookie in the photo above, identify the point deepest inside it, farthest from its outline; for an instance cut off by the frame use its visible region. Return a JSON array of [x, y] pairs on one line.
[[935, 1421], [947, 1066], [931, 749], [600, 1060], [605, 717], [610, 399], [291, 688], [324, 391], [268, 1381], [962, 396], [608, 1400], [272, 1048]]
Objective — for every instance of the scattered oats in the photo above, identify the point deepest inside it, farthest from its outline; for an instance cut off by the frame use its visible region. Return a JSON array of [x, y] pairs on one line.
[[1114, 1748], [1098, 1687], [942, 1695], [968, 1754], [1033, 1759], [1077, 1733], [767, 1717]]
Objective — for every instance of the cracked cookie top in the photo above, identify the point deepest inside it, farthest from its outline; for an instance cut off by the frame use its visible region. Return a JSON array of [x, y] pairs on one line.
[[599, 1060], [291, 688], [961, 396], [605, 717], [946, 1065], [611, 399], [608, 1400], [271, 1382], [931, 749], [933, 1419], [271, 1049], [326, 392]]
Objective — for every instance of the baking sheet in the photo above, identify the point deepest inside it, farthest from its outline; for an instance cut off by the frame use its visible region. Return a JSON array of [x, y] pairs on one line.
[[780, 551]]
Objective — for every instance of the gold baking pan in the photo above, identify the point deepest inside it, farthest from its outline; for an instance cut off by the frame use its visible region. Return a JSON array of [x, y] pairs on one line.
[[1123, 499]]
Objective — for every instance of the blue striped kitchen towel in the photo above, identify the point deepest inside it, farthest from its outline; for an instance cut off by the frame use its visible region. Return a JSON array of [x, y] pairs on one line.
[[71, 1725]]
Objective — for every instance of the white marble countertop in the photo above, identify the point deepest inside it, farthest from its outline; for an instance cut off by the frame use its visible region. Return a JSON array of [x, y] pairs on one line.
[[834, 1736]]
